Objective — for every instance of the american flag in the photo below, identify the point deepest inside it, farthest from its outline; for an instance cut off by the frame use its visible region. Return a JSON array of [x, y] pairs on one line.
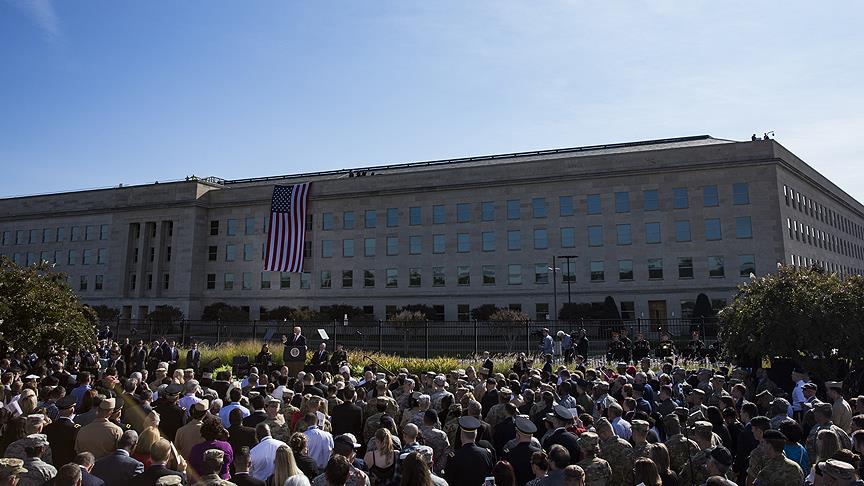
[[287, 229]]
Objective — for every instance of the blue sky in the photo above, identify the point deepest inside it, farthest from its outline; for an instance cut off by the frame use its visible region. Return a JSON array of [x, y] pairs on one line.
[[97, 93]]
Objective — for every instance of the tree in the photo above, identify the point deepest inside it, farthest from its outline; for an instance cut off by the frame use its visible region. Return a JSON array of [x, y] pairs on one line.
[[426, 310], [483, 313], [509, 315], [337, 312], [165, 313], [510, 325], [610, 309], [799, 314], [304, 314], [220, 311], [105, 313], [38, 308], [702, 308], [584, 310], [281, 313]]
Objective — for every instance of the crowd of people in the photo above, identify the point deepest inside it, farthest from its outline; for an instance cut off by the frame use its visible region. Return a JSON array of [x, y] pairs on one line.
[[123, 417]]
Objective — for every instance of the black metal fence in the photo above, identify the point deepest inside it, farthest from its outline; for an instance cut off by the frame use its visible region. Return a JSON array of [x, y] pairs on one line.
[[417, 338]]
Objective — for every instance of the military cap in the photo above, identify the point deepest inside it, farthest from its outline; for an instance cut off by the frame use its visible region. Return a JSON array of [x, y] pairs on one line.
[[773, 435], [718, 378], [562, 413], [11, 466], [456, 408], [27, 392], [416, 395], [810, 386], [35, 440], [722, 455], [699, 391], [588, 440], [271, 399], [601, 423], [67, 401], [348, 439], [621, 364], [469, 423], [524, 424], [823, 408], [765, 394], [640, 425], [423, 450], [169, 480], [173, 389], [602, 384], [836, 469], [837, 385], [779, 404], [672, 417], [214, 455], [161, 368], [35, 419], [703, 426], [505, 391], [108, 404], [201, 406], [31, 377]]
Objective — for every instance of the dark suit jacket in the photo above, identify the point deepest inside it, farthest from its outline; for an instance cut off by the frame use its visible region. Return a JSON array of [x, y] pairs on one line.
[[193, 358], [117, 468], [154, 472], [87, 479], [245, 479], [241, 436], [566, 439], [255, 418], [347, 418], [320, 358], [118, 365], [746, 444], [61, 436], [138, 359], [301, 340]]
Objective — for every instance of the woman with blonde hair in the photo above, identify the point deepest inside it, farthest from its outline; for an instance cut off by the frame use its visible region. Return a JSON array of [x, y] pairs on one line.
[[285, 467], [177, 377], [149, 436], [382, 459]]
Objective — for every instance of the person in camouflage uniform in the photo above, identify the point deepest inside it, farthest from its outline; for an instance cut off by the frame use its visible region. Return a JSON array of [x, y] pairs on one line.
[[680, 448], [695, 471], [439, 392], [497, 412], [822, 413], [213, 459], [598, 472], [279, 429], [436, 439], [641, 447], [777, 470], [758, 425], [617, 452]]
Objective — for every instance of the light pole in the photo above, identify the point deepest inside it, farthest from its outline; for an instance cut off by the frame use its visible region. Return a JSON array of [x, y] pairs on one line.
[[554, 290], [569, 274]]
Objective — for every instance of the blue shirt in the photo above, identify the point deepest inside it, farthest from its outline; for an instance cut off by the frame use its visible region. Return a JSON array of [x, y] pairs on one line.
[[548, 346], [225, 413], [79, 392]]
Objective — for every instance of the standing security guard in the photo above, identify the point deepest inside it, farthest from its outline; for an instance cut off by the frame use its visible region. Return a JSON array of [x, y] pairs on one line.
[[470, 464], [519, 456]]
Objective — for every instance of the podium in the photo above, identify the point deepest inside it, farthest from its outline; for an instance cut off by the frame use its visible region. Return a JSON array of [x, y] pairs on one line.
[[294, 358]]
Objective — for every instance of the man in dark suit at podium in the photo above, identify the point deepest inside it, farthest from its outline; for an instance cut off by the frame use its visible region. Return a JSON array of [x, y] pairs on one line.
[[297, 340]]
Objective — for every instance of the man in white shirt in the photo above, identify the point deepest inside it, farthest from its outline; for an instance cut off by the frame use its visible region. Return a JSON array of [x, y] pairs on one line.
[[262, 457], [800, 378], [189, 399], [320, 443]]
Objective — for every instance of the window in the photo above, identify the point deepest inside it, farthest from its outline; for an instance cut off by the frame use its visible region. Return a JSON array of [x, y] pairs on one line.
[[326, 279], [99, 281], [83, 283], [569, 271], [152, 254], [284, 280], [712, 229], [655, 269], [415, 245], [133, 281], [538, 207], [488, 240], [487, 211], [743, 228], [36, 235], [438, 279], [438, 214], [741, 193], [211, 253], [76, 235], [438, 244], [541, 239], [488, 274], [568, 237], [625, 269], [463, 243], [327, 221], [392, 245], [463, 275], [746, 265], [61, 233], [369, 247], [463, 213], [514, 210], [72, 257], [415, 216], [623, 232], [167, 253], [687, 308], [716, 267], [541, 312], [368, 278], [214, 228], [326, 248], [597, 271], [249, 228], [565, 206], [230, 253], [347, 279], [392, 217], [305, 280], [415, 277], [514, 240], [135, 255], [595, 235], [685, 267], [232, 227], [370, 219], [652, 233], [265, 280], [102, 256], [593, 204], [463, 312], [228, 282], [628, 310], [348, 221], [348, 247], [7, 237], [541, 273], [710, 197], [514, 274], [249, 251], [680, 198], [87, 257], [247, 281], [622, 202], [682, 230]]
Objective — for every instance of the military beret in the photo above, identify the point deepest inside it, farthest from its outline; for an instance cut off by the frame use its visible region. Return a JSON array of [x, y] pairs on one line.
[[214, 455], [836, 469], [524, 424], [67, 401], [11, 466], [169, 480], [640, 425], [721, 455], [469, 423], [588, 440], [837, 385]]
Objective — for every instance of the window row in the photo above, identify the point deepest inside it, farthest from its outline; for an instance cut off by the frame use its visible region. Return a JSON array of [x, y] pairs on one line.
[[52, 235], [831, 267], [87, 256], [797, 200], [148, 281], [818, 238]]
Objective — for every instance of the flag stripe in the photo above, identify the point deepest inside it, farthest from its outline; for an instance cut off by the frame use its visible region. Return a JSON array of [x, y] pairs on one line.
[[287, 232]]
